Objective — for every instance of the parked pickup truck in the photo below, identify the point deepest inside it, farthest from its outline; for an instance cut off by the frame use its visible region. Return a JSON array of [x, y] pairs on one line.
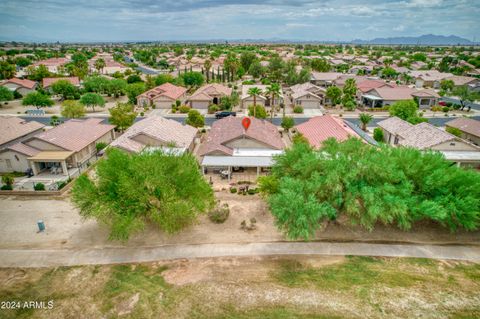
[[221, 115]]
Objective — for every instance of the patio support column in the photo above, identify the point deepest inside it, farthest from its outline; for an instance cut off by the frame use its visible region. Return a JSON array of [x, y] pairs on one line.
[[258, 171], [229, 173], [34, 168], [64, 168]]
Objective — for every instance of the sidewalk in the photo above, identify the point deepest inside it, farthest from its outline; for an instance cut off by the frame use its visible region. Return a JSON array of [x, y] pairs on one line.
[[71, 257]]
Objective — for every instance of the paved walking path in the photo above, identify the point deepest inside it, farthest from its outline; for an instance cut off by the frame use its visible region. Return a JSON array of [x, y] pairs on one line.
[[65, 257]]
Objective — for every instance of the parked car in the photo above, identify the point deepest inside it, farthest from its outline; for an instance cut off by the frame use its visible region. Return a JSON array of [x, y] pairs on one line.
[[221, 115]]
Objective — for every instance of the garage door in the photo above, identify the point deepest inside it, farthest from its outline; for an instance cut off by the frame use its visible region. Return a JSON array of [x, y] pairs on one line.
[[163, 104], [313, 104]]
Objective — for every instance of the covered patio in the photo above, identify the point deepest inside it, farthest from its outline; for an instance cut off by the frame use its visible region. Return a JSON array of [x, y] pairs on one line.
[[52, 162], [226, 165], [372, 101]]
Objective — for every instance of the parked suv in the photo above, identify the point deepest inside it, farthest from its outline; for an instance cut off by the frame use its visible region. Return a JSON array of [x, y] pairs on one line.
[[221, 115]]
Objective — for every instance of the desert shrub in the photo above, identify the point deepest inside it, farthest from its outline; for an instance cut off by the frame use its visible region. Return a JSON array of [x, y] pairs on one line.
[[100, 146], [298, 109], [454, 131], [39, 187], [8, 179], [219, 214], [378, 134], [445, 109], [184, 108], [6, 188], [233, 190]]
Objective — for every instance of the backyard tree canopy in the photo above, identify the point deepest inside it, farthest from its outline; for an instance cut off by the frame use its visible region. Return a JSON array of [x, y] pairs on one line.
[[389, 185], [130, 191]]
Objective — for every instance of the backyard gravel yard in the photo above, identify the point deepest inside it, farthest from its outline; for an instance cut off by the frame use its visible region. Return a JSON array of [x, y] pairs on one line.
[[66, 229]]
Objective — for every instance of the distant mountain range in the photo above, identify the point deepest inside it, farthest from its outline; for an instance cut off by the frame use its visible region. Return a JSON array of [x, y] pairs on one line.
[[427, 39]]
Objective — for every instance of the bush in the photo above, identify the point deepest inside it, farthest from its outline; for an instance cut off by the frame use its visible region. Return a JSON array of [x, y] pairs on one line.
[[39, 187], [61, 185], [100, 146], [195, 119], [287, 123], [260, 112], [252, 191], [456, 106], [212, 108], [233, 190], [445, 109], [184, 109], [298, 109], [220, 214], [8, 179], [6, 188], [378, 134], [454, 131]]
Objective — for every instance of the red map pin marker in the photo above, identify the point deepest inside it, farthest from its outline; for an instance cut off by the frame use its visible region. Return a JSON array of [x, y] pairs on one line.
[[246, 122]]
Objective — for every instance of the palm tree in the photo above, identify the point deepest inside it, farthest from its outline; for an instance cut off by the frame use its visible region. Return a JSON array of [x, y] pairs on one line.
[[207, 65], [100, 64], [273, 90], [365, 118], [254, 92]]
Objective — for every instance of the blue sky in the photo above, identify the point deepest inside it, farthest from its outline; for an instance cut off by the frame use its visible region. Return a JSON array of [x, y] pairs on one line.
[[143, 20]]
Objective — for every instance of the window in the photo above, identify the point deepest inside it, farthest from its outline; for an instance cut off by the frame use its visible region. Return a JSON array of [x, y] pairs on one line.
[[16, 157], [395, 141]]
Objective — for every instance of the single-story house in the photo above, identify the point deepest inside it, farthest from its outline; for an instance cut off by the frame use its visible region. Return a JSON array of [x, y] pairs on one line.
[[364, 86], [386, 95], [162, 96], [53, 65], [324, 79], [48, 82], [22, 86], [429, 78], [13, 131], [229, 145], [208, 94], [156, 132], [470, 128], [424, 136], [308, 95], [320, 128], [65, 147], [263, 99]]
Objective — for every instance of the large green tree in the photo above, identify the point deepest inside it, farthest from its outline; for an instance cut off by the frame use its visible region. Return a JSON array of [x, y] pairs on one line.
[[65, 89], [133, 190], [72, 109], [122, 115], [369, 185], [334, 93], [92, 100], [465, 96], [5, 94], [37, 99], [407, 110]]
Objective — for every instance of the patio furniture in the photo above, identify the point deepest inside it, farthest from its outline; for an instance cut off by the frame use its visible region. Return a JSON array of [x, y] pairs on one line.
[[224, 174]]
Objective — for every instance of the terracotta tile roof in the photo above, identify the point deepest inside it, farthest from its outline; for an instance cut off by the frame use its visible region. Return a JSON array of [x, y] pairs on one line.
[[167, 89], [23, 83], [209, 91], [12, 128], [230, 128], [159, 128], [52, 62], [395, 125], [24, 149], [469, 126], [424, 136], [462, 80], [368, 85], [74, 135], [74, 80], [318, 129], [326, 76], [426, 93], [394, 94]]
